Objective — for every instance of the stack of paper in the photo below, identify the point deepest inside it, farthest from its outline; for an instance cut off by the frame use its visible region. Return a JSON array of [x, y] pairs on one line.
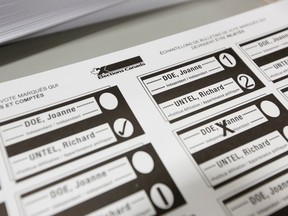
[[21, 18]]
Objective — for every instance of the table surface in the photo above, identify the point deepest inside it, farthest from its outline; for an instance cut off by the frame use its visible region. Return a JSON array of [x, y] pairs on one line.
[[51, 51]]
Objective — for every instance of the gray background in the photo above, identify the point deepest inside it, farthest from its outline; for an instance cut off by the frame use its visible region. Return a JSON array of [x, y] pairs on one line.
[[39, 54]]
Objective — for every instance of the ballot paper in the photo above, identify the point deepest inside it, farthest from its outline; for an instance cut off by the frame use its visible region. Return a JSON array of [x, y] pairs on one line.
[[126, 8], [192, 124], [23, 19], [20, 18]]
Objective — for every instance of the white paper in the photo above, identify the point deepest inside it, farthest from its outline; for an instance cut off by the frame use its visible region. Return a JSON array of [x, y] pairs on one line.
[[191, 124], [126, 8], [21, 18], [31, 18]]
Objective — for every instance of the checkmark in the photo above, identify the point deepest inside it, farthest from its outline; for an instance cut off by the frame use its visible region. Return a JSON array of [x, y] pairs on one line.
[[123, 129]]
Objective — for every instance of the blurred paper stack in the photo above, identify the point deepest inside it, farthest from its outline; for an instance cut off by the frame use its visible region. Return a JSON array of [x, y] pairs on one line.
[[22, 18]]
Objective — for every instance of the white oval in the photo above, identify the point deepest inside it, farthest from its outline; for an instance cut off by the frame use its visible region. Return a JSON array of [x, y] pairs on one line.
[[143, 162], [285, 131], [108, 101], [270, 109]]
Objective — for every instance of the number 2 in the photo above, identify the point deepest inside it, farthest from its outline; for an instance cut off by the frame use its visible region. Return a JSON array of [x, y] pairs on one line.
[[246, 81]]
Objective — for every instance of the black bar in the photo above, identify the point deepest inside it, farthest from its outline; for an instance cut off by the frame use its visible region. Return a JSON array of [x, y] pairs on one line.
[[281, 212], [3, 210], [271, 57], [123, 64], [285, 90]]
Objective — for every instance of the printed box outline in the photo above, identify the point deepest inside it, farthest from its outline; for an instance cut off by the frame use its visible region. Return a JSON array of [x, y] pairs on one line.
[[71, 100], [256, 38], [282, 91], [191, 61], [207, 120], [250, 187], [148, 148]]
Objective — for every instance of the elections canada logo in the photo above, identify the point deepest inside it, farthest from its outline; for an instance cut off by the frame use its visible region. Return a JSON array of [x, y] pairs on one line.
[[118, 67]]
